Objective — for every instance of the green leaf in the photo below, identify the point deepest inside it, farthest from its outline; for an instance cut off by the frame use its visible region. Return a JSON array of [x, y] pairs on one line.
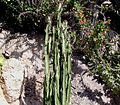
[[2, 59]]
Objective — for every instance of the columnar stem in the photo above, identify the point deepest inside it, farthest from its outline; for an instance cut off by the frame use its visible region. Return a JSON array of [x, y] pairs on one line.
[[57, 78]]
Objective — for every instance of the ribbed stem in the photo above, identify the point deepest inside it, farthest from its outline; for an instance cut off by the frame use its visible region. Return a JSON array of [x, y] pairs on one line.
[[47, 68], [58, 78]]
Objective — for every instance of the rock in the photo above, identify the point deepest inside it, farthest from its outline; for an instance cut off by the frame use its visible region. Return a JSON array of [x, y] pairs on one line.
[[13, 75], [22, 51], [2, 99], [2, 40]]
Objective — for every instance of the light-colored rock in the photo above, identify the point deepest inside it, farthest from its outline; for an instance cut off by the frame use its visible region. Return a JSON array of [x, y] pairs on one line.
[[2, 40], [13, 75], [2, 99], [5, 32], [27, 54]]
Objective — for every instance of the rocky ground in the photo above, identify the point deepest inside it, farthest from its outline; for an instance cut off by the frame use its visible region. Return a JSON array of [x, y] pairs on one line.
[[23, 75], [86, 90]]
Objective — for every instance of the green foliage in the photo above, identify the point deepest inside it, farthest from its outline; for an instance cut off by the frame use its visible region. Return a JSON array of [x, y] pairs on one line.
[[2, 60], [92, 38], [57, 84], [29, 14], [104, 60], [100, 47]]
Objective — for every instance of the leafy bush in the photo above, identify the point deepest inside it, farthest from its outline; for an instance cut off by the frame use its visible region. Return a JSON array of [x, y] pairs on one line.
[[26, 13], [100, 45]]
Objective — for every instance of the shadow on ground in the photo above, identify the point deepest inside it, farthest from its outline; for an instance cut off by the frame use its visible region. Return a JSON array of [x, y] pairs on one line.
[[87, 90], [31, 94]]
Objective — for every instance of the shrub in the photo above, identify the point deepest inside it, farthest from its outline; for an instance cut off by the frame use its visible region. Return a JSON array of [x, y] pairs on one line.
[[26, 13], [100, 45]]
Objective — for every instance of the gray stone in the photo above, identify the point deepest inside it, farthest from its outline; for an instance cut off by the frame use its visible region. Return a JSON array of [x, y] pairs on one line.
[[2, 40], [13, 75]]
